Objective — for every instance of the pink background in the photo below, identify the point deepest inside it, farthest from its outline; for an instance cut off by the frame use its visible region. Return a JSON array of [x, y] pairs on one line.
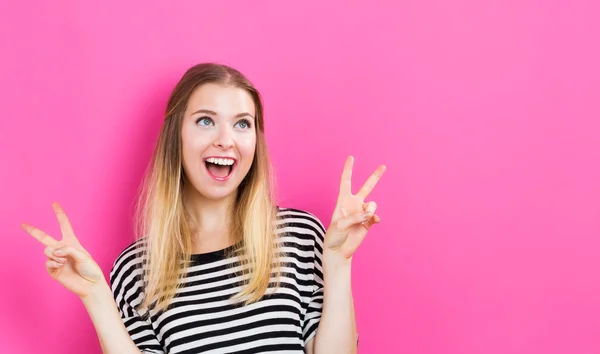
[[485, 112]]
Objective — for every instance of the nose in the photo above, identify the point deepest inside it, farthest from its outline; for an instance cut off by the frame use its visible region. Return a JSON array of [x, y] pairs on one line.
[[224, 139]]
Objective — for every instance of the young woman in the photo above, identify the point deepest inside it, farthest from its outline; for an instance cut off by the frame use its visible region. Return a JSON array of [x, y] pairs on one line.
[[217, 266]]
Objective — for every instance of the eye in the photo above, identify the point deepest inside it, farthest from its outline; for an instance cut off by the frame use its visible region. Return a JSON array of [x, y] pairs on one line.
[[244, 124], [204, 121]]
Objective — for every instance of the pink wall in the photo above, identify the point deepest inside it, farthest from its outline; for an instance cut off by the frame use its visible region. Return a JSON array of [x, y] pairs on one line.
[[485, 112]]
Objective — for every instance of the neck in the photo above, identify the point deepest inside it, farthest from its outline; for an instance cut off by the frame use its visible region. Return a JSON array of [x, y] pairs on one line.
[[211, 220]]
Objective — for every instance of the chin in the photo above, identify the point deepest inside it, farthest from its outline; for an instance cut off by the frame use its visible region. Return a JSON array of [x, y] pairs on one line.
[[216, 196]]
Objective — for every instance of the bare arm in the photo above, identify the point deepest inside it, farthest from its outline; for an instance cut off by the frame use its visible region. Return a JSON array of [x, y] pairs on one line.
[[351, 220], [337, 328], [72, 266], [111, 331]]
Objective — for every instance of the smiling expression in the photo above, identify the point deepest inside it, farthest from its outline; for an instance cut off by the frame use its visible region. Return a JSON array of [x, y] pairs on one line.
[[218, 139]]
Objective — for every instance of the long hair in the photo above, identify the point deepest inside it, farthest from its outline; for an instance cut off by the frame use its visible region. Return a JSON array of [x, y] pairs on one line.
[[161, 217]]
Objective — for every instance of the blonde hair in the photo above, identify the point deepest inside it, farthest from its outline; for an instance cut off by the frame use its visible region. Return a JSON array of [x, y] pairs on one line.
[[163, 221]]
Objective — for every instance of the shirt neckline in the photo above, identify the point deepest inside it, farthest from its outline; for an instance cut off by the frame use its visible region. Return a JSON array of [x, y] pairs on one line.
[[213, 255]]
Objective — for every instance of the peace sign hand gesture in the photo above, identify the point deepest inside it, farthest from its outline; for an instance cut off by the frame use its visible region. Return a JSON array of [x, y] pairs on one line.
[[352, 217], [68, 262]]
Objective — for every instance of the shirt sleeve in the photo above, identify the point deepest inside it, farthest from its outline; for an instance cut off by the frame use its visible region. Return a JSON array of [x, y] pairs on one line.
[[125, 282], [312, 316]]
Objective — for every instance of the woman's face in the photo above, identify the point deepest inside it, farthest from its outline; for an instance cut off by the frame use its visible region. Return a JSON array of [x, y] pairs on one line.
[[218, 139]]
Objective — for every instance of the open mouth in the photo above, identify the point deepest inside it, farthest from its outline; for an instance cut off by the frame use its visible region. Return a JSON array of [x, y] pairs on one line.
[[220, 168]]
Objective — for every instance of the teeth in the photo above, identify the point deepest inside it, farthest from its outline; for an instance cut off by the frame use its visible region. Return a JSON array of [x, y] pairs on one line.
[[218, 161]]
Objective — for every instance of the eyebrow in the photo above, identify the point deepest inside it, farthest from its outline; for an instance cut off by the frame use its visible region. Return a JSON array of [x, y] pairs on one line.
[[239, 115]]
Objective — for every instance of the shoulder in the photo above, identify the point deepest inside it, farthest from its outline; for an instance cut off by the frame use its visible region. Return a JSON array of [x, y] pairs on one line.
[[300, 222], [127, 262]]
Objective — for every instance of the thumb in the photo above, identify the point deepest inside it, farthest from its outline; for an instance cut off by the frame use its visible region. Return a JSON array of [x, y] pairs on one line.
[[84, 265], [77, 255], [346, 223]]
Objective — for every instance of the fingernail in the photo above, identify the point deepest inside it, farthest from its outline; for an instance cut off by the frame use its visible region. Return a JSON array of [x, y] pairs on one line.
[[366, 215], [58, 251]]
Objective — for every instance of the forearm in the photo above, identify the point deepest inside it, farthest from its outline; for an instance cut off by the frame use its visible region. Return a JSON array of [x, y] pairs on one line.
[[337, 328], [112, 334]]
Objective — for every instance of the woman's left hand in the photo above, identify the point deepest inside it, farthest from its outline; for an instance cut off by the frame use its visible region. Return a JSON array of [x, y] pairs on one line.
[[352, 217]]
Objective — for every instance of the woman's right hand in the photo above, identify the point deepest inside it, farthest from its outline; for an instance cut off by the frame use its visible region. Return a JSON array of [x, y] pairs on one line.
[[68, 262]]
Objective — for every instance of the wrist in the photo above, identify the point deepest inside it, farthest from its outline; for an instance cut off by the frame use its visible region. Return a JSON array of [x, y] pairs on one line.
[[98, 294], [336, 265]]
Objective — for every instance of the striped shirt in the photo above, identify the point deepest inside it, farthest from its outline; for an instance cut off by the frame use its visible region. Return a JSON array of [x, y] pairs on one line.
[[201, 319]]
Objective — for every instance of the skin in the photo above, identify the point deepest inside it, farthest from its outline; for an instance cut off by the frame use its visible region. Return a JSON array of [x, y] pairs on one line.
[[220, 133], [219, 121]]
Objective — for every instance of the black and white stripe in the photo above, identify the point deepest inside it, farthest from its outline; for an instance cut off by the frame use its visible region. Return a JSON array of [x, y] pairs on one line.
[[202, 319]]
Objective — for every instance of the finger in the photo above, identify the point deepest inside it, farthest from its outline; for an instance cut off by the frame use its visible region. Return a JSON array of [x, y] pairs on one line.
[[68, 251], [39, 235], [370, 206], [354, 219], [371, 182], [48, 251], [346, 182], [50, 264], [354, 239], [367, 224], [63, 221], [376, 217]]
